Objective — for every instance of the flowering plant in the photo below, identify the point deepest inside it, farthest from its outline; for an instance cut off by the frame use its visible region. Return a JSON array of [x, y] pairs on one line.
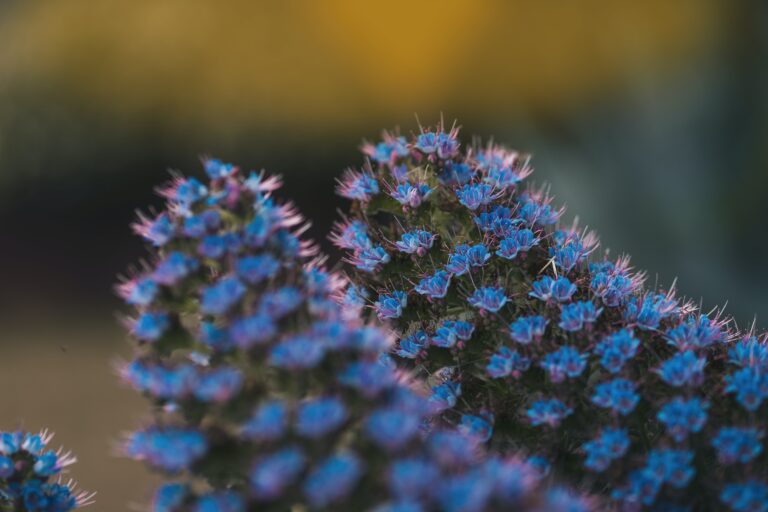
[[550, 345]]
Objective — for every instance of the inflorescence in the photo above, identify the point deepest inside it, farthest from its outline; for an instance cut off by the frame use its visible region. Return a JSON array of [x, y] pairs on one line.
[[31, 475], [270, 394], [555, 348]]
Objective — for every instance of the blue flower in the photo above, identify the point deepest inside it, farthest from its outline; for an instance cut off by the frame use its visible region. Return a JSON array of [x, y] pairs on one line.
[[542, 288], [218, 385], [158, 231], [280, 302], [444, 396], [478, 255], [458, 260], [435, 286], [683, 369], [456, 173], [255, 269], [170, 449], [450, 331], [528, 328], [616, 349], [737, 444], [272, 474], [140, 292], [297, 353], [175, 267], [417, 241], [474, 196], [252, 330], [320, 416], [268, 422], [150, 326], [411, 347], [565, 362], [534, 212], [498, 219], [563, 289], [618, 395], [217, 169], [390, 305], [426, 142], [219, 298], [392, 428], [369, 378], [479, 428], [506, 362], [695, 333], [750, 386], [653, 309], [358, 186], [749, 496], [488, 299], [681, 417], [332, 479], [222, 501], [351, 235], [411, 478], [749, 352], [370, 259], [611, 444], [574, 316], [671, 466], [548, 412], [410, 195]]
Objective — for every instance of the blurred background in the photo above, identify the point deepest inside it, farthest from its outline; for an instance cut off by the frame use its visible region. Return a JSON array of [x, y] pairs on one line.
[[648, 118]]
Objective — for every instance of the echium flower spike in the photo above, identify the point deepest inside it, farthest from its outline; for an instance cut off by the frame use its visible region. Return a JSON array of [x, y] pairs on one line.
[[31, 475], [270, 393], [626, 388]]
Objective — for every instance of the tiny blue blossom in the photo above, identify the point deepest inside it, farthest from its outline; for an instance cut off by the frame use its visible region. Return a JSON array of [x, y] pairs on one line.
[[682, 417], [488, 299], [474, 196], [683, 369], [528, 328], [616, 349], [737, 444], [390, 305], [506, 362], [611, 444], [750, 496], [219, 298], [565, 362], [618, 395], [548, 412], [316, 418], [434, 286], [415, 242], [332, 479]]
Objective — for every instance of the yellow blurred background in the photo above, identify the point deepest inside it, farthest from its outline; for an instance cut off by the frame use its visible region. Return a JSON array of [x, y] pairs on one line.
[[648, 117]]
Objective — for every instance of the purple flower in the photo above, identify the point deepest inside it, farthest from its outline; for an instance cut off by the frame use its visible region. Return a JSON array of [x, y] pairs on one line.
[[618, 395], [488, 299], [435, 286], [681, 417], [332, 479], [683, 369], [548, 412], [390, 305], [417, 242], [564, 362], [737, 444], [528, 328], [506, 362], [320, 416]]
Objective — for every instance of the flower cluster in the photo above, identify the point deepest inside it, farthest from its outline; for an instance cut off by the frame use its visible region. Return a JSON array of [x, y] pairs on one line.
[[31, 475], [269, 391], [621, 386]]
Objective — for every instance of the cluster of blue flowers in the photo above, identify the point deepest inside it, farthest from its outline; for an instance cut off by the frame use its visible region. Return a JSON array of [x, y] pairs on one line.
[[572, 356], [269, 392], [31, 475]]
